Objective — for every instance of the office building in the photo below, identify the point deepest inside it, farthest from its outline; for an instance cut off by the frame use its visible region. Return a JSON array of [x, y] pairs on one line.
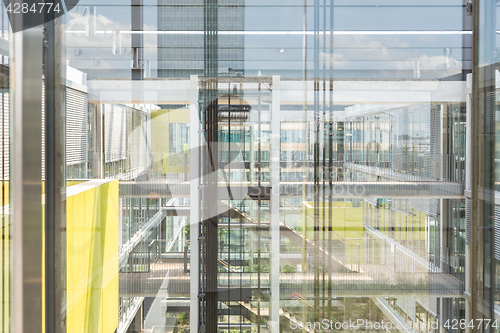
[[248, 166]]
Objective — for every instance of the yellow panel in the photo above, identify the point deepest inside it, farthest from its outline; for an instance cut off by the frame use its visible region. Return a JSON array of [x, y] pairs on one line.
[[109, 213], [333, 203], [338, 222], [347, 224], [166, 162], [5, 257], [401, 226], [92, 260], [385, 220], [74, 182], [6, 192], [5, 272], [354, 222], [43, 268], [6, 262]]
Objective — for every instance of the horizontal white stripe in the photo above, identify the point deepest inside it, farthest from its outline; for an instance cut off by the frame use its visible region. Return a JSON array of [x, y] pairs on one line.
[[186, 32]]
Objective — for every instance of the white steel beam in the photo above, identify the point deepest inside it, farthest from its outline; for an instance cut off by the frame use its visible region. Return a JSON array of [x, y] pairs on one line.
[[194, 203], [274, 218]]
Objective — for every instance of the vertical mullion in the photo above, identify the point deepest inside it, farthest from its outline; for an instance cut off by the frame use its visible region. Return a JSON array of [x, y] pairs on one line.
[[26, 187], [55, 180]]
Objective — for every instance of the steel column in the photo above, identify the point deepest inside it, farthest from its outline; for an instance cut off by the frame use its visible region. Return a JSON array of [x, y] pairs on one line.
[[26, 180], [274, 206], [476, 204], [210, 165], [55, 184], [195, 219]]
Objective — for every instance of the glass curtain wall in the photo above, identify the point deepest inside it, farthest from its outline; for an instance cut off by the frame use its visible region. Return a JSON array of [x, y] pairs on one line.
[[249, 166]]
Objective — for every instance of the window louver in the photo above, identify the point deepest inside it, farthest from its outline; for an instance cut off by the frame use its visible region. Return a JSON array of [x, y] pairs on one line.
[[76, 127], [497, 232], [467, 221]]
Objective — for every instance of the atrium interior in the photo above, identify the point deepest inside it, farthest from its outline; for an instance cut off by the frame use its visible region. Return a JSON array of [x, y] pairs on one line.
[[250, 166]]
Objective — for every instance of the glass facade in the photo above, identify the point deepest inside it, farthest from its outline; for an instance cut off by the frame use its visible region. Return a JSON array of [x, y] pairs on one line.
[[250, 166]]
